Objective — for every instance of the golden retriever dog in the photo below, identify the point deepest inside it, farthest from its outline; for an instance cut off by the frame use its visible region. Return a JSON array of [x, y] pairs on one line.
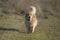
[[30, 19]]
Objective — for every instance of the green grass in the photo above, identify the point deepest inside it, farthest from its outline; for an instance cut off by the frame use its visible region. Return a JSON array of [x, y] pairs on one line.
[[47, 29]]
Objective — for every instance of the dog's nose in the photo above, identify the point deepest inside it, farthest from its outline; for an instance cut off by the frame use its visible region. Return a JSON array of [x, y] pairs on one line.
[[28, 18]]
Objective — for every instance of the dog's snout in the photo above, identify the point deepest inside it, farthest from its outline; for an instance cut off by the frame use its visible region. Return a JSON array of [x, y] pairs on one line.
[[28, 18]]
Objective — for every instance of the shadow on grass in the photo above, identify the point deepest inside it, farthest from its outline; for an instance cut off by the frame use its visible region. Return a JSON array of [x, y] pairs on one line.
[[10, 29]]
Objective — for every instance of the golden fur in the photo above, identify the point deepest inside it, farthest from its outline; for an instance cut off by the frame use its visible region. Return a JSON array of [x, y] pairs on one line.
[[31, 20]]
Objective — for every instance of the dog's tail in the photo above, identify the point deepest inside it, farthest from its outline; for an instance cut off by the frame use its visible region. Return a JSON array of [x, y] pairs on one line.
[[33, 9]]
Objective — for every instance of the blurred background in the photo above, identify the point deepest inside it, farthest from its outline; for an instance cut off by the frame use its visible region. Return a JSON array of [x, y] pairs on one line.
[[12, 20]]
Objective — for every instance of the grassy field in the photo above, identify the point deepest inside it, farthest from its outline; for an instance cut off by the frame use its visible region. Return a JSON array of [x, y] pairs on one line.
[[12, 25]]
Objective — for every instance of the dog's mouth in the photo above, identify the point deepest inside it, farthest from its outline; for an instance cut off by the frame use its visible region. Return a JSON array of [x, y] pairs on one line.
[[28, 17]]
